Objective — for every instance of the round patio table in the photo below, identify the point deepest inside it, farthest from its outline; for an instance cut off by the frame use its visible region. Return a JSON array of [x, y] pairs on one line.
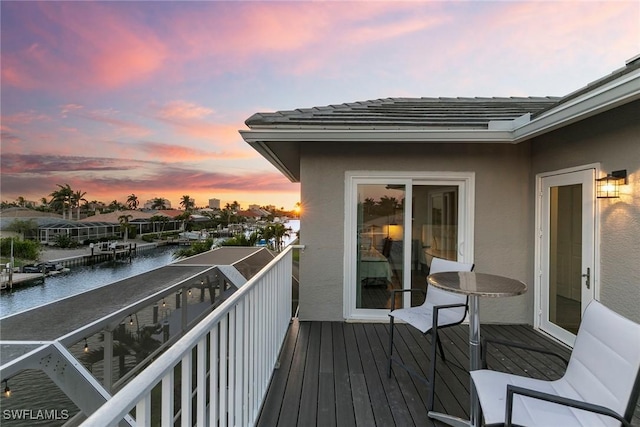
[[475, 285]]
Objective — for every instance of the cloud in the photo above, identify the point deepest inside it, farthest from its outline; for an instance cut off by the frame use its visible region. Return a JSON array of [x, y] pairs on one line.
[[101, 46], [34, 177], [69, 108], [183, 110], [24, 118], [178, 153], [109, 116], [196, 121], [46, 164]]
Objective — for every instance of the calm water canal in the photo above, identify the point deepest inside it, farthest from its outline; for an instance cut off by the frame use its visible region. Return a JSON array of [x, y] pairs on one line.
[[81, 279]]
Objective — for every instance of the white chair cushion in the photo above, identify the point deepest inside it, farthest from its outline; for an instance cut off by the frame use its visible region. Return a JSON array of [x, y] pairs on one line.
[[492, 392], [421, 317], [605, 358], [604, 364]]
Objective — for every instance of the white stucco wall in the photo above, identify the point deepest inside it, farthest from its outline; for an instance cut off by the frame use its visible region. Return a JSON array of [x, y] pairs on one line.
[[613, 139], [503, 215]]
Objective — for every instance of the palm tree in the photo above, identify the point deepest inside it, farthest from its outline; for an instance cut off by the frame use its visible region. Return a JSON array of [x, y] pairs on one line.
[[185, 217], [61, 198], [124, 224], [187, 203], [132, 202], [279, 233], [116, 206], [158, 203], [76, 198], [161, 219]]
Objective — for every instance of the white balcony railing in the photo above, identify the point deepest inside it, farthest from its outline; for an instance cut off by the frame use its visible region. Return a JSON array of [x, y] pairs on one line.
[[230, 355]]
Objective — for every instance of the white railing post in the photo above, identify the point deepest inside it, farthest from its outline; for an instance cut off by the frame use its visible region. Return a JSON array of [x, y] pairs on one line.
[[214, 357], [186, 391], [222, 369], [143, 411], [239, 365], [167, 410], [201, 382]]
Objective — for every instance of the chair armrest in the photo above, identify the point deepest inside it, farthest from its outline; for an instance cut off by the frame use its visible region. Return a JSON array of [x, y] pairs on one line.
[[485, 341], [393, 295], [578, 404], [437, 308]]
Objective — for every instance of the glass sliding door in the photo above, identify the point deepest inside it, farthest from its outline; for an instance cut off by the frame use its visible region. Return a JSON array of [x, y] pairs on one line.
[[396, 223], [380, 237], [434, 231]]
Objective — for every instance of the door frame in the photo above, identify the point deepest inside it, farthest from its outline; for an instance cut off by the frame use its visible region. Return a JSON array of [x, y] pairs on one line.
[[465, 181], [539, 250]]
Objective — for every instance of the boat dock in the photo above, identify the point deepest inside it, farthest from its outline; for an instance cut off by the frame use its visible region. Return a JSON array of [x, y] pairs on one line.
[[86, 256], [7, 280]]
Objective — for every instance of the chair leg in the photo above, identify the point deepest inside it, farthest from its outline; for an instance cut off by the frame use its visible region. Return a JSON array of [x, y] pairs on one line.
[[440, 347], [432, 369], [390, 345]]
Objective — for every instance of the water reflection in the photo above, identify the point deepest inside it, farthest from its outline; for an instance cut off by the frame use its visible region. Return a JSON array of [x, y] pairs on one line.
[[82, 279]]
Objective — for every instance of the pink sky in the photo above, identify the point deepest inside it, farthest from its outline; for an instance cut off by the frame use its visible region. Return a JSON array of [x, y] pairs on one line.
[[116, 98]]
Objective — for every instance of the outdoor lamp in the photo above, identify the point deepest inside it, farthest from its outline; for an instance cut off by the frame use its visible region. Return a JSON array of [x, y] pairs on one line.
[[609, 186], [86, 346], [7, 390]]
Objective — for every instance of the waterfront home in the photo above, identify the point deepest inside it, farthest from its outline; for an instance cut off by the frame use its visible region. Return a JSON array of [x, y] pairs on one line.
[[513, 185], [510, 184]]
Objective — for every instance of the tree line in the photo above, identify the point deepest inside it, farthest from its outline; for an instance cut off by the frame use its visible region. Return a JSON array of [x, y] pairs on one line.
[[71, 204]]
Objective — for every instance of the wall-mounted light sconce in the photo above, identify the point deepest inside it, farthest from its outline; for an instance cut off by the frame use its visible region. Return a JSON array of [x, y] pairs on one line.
[[86, 346], [7, 390], [609, 186]]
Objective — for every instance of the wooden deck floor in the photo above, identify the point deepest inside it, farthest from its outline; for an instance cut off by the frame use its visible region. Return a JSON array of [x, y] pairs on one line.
[[335, 374]]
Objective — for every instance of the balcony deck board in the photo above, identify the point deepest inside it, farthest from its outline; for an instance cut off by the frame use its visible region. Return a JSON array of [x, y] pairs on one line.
[[335, 374]]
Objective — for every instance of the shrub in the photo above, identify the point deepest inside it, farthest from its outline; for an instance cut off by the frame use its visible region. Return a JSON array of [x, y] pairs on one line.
[[64, 241], [195, 249], [25, 249]]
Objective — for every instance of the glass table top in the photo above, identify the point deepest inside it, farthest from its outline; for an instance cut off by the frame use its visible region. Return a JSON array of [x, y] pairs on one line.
[[479, 284]]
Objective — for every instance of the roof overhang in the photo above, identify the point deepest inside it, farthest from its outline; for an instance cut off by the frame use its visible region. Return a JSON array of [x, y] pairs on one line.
[[281, 146]]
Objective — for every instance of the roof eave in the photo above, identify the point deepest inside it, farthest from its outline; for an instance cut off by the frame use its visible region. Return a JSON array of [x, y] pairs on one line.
[[618, 92], [259, 145], [602, 98], [375, 135]]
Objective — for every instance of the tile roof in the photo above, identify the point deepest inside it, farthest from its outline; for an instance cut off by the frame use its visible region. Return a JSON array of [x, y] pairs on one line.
[[405, 113]]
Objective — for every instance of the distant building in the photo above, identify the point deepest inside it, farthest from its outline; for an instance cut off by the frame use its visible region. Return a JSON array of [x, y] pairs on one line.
[[214, 204]]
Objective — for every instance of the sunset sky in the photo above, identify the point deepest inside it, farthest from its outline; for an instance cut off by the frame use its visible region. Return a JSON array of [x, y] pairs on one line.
[[116, 98]]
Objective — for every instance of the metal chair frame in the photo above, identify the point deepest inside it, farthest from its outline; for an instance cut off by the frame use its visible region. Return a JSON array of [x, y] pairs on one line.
[[435, 340]]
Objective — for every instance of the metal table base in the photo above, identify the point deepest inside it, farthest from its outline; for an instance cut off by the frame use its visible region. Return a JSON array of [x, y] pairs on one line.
[[475, 414]]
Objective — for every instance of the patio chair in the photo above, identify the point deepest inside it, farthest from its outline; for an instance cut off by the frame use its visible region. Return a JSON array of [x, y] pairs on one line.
[[439, 310], [600, 386]]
